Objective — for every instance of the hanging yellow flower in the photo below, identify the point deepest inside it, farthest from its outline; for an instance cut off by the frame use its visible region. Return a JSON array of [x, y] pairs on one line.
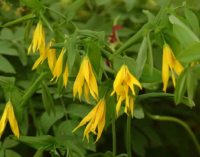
[[169, 62], [95, 120], [87, 79], [122, 83], [8, 115], [38, 41], [58, 66], [65, 76]]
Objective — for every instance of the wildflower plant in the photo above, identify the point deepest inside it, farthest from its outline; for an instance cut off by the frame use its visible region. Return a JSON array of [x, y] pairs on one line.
[[99, 78]]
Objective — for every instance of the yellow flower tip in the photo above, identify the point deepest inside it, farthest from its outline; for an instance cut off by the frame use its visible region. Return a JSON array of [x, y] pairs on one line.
[[58, 66], [51, 55], [8, 115], [94, 121], [65, 76]]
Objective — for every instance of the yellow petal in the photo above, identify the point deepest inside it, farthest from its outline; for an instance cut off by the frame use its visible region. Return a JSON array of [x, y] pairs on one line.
[[119, 77], [12, 120], [86, 92], [119, 103], [37, 62], [101, 126], [58, 66], [87, 118], [165, 70], [178, 68], [51, 52], [78, 84], [65, 76], [4, 120], [131, 105]]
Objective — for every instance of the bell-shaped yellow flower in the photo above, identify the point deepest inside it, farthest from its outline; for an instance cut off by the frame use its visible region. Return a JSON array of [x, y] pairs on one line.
[[170, 63], [38, 41], [9, 115], [65, 76], [95, 120], [87, 79], [58, 66], [123, 83]]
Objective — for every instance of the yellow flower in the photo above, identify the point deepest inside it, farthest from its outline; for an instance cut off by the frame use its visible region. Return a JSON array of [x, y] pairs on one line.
[[122, 83], [8, 115], [58, 66], [38, 41], [65, 76], [51, 54], [87, 79], [95, 120], [169, 62], [42, 57]]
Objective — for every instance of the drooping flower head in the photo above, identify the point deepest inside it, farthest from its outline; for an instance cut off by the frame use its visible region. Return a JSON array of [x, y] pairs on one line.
[[123, 83], [170, 64], [86, 79], [59, 65], [95, 120], [9, 115], [38, 41]]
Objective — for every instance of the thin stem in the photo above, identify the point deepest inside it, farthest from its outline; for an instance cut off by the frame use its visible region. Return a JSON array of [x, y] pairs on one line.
[[178, 121], [63, 105], [114, 136], [128, 136]]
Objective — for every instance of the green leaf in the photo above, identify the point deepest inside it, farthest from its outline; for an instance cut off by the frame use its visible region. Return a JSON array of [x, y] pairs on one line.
[[191, 85], [73, 8], [72, 51], [141, 58], [149, 54], [38, 141], [5, 66], [48, 119], [102, 2], [129, 4], [39, 153], [6, 50], [94, 53], [193, 20], [9, 143], [6, 34], [180, 87], [19, 20], [11, 153], [47, 99], [138, 112], [79, 110], [182, 32], [139, 143], [191, 53]]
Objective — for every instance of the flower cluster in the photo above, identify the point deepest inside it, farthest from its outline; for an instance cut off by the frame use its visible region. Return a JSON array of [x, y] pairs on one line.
[[85, 84]]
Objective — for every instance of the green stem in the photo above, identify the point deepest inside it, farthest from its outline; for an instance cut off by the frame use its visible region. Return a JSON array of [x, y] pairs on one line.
[[178, 121], [56, 12], [114, 136], [30, 91], [128, 136]]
